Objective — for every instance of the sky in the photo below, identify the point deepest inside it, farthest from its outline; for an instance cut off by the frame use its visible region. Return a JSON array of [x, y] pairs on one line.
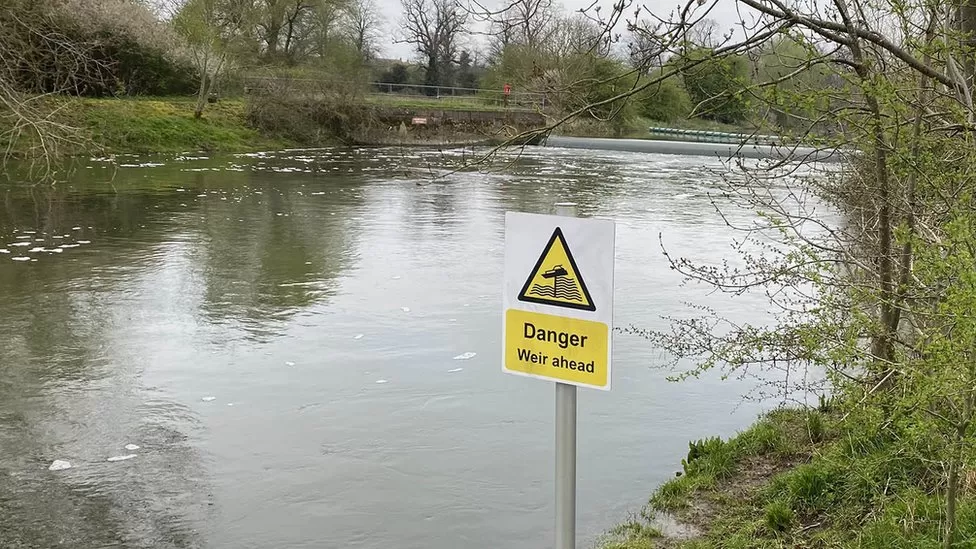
[[724, 14]]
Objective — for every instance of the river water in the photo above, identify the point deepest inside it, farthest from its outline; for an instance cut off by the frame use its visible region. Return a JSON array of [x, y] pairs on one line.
[[278, 332]]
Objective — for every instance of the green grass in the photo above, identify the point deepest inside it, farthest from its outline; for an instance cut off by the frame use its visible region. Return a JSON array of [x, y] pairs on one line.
[[143, 125], [804, 479]]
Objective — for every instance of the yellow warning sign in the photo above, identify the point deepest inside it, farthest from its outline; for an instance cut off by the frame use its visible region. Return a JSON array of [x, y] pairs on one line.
[[555, 279], [556, 347]]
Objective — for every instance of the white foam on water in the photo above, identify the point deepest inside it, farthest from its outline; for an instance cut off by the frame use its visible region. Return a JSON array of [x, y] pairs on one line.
[[84, 242], [69, 245], [317, 194], [75, 228], [35, 250], [4, 251], [381, 381], [230, 403], [19, 244], [209, 398], [466, 356], [59, 237], [397, 277], [20, 258], [131, 447], [24, 237], [405, 309], [289, 363], [54, 250], [59, 465], [121, 458], [358, 336]]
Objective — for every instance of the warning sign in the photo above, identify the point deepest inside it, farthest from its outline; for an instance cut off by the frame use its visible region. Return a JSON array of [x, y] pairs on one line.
[[558, 301], [555, 279]]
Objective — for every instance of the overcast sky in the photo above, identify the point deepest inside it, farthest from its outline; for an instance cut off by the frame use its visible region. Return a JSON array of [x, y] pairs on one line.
[[724, 14]]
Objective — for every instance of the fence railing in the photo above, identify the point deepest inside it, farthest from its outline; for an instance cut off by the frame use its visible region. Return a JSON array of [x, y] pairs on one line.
[[393, 93], [716, 137]]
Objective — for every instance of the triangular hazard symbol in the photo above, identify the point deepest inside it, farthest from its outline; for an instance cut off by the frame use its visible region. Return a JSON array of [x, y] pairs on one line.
[[555, 279]]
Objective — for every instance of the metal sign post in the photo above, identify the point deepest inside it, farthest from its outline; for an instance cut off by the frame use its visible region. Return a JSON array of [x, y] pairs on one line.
[[566, 446]]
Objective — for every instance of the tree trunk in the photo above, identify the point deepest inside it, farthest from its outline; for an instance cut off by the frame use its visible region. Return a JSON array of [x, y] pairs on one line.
[[433, 76], [202, 95], [956, 457], [967, 27], [271, 39], [952, 493]]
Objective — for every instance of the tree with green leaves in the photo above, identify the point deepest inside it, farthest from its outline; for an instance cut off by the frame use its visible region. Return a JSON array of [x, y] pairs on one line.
[[716, 85], [214, 31]]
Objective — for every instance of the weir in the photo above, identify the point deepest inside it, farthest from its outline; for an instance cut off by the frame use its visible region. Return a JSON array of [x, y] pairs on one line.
[[690, 148]]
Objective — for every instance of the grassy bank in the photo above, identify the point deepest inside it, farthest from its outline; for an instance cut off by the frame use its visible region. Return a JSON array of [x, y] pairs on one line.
[[144, 125], [798, 479]]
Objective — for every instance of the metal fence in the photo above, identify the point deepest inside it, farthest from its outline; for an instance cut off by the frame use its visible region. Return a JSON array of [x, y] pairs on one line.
[[402, 94], [715, 137]]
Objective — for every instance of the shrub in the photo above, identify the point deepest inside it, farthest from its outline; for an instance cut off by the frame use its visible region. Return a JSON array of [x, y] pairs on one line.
[[811, 487], [778, 516], [666, 101], [815, 426], [711, 456]]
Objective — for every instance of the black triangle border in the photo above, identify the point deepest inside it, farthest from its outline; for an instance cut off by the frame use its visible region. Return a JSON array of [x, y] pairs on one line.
[[523, 295]]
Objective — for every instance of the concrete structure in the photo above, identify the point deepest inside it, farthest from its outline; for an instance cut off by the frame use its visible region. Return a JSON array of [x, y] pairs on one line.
[[718, 150]]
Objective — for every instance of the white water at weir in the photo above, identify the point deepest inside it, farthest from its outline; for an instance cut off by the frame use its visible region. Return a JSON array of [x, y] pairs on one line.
[[308, 359]]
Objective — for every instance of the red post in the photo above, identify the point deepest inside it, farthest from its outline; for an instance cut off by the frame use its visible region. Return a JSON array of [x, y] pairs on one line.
[[507, 89]]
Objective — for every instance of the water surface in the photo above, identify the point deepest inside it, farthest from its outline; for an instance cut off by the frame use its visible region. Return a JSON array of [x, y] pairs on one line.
[[278, 333]]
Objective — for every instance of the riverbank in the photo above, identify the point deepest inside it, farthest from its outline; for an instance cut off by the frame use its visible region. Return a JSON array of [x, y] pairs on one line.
[[166, 125], [797, 479]]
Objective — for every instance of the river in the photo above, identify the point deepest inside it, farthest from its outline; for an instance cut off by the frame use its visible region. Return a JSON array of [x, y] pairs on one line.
[[277, 333]]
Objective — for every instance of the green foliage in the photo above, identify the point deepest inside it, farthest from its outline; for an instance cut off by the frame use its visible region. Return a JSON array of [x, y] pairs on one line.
[[791, 63], [666, 101], [815, 426], [715, 85], [710, 456], [778, 516], [811, 487], [764, 437]]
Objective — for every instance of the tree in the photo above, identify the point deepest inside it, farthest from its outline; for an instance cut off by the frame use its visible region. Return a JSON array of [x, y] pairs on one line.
[[467, 78], [434, 28], [526, 23], [212, 30], [363, 27], [881, 300], [715, 85]]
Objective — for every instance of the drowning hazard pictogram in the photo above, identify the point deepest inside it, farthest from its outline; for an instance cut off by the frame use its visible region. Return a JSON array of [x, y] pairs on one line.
[[555, 279]]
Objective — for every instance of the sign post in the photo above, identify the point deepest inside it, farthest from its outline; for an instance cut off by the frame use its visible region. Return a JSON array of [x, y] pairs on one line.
[[565, 446], [558, 316]]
